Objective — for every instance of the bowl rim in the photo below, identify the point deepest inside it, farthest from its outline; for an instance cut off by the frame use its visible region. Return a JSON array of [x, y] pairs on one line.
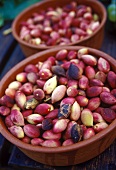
[[14, 32], [21, 144]]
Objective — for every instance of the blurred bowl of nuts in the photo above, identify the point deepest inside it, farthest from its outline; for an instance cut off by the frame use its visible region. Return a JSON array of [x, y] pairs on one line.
[[50, 23], [59, 105]]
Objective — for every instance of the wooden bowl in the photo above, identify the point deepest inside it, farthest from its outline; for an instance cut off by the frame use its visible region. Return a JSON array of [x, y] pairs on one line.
[[94, 40], [64, 155]]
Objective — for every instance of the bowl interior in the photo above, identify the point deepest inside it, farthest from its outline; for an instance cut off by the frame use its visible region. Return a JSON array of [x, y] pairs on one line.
[[42, 56], [23, 16]]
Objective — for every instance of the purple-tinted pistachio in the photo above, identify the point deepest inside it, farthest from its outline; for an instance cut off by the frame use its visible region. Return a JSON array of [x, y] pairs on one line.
[[31, 68], [14, 85], [81, 92], [51, 143], [60, 92], [64, 111], [20, 99], [31, 131], [45, 74], [62, 80], [93, 103], [26, 113], [87, 117], [108, 114], [6, 101], [107, 98], [76, 133], [113, 107], [88, 133], [44, 109], [17, 131], [75, 111], [10, 92], [4, 111], [60, 125], [26, 139], [113, 92], [96, 82], [72, 83], [21, 77], [52, 115], [47, 124], [74, 38], [94, 91], [103, 65], [39, 94], [27, 88], [32, 77], [67, 142], [89, 72], [71, 55], [100, 75], [111, 78], [17, 117], [50, 85], [72, 91], [83, 82], [97, 118], [67, 100], [82, 100], [8, 121], [34, 118], [61, 54], [74, 72], [58, 70], [89, 59], [100, 126], [36, 141], [31, 103], [40, 83], [105, 89]]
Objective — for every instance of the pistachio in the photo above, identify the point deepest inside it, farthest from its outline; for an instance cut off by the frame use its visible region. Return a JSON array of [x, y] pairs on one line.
[[6, 101], [83, 82], [27, 88], [89, 59], [4, 111], [49, 134], [100, 126], [108, 114], [34, 118], [75, 111], [8, 121], [17, 131], [87, 117], [88, 133], [31, 103], [31, 131], [47, 124], [107, 98], [111, 78], [103, 65], [89, 72], [64, 111], [76, 133], [58, 70], [17, 117], [20, 99], [39, 94], [36, 141], [50, 85], [51, 143], [21, 77], [94, 91], [93, 103], [67, 142], [43, 109], [82, 100], [60, 125], [72, 91], [59, 91], [74, 72]]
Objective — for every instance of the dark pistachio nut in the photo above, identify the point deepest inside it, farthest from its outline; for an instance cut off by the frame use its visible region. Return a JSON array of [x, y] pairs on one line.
[[31, 103], [76, 133], [74, 72], [64, 111], [58, 70], [47, 124]]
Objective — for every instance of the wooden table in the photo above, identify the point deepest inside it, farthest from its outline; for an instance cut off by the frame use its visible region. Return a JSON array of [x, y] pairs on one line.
[[10, 156]]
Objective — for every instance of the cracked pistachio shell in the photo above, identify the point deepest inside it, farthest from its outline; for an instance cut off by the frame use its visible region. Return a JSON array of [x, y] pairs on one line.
[[31, 103], [50, 85], [87, 117]]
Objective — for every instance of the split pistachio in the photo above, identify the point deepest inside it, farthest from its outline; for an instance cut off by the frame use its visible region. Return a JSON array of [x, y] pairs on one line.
[[50, 85]]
